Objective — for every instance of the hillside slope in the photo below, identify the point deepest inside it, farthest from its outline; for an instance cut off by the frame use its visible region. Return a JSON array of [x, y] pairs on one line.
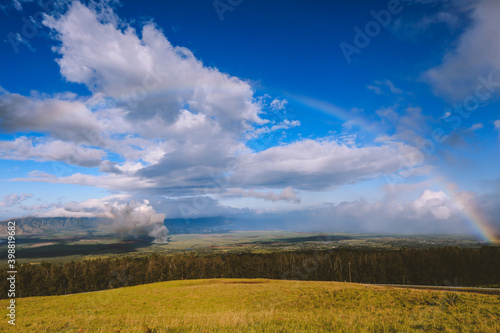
[[258, 305], [39, 225]]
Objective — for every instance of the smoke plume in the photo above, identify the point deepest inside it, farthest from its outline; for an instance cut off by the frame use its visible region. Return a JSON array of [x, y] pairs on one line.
[[135, 218]]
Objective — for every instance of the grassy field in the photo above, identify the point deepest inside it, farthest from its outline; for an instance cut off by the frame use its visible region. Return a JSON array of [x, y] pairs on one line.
[[245, 305]]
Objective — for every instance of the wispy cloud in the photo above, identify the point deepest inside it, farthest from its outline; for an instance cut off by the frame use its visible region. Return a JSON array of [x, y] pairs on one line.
[[496, 123], [12, 200]]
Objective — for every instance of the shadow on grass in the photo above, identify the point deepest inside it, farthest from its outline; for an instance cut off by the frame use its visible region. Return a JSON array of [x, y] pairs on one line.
[[319, 238]]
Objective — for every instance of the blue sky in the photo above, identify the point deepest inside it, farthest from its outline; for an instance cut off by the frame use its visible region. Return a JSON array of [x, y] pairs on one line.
[[362, 116]]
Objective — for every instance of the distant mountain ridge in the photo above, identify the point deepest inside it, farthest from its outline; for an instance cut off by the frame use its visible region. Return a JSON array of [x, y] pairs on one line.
[[31, 225]]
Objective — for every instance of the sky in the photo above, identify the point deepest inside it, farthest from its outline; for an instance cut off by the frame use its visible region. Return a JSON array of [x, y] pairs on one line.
[[361, 116]]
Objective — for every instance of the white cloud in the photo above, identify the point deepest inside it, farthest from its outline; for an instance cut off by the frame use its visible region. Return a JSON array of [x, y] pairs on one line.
[[379, 86], [287, 194], [306, 164], [448, 18], [87, 208], [476, 127], [12, 200], [17, 5], [156, 77], [375, 89], [278, 104], [477, 53], [60, 117], [310, 164], [110, 181], [388, 114], [446, 115], [62, 212], [24, 148], [496, 123], [286, 124], [437, 203], [179, 115], [17, 37], [412, 125], [135, 219]]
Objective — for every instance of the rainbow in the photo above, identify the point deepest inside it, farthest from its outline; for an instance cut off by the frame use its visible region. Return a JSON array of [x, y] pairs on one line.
[[475, 217], [479, 223]]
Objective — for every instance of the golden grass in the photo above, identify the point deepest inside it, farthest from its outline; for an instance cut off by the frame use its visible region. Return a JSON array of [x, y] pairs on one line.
[[258, 305]]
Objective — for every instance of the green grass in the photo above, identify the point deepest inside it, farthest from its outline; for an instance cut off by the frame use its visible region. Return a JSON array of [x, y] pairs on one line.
[[258, 305]]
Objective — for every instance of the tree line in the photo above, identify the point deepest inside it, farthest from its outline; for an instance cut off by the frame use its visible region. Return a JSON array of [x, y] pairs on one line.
[[434, 266]]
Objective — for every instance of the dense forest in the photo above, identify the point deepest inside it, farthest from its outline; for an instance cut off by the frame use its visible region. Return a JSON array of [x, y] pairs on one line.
[[434, 266]]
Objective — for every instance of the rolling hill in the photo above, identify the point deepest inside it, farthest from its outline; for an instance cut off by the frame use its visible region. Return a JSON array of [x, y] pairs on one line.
[[258, 305]]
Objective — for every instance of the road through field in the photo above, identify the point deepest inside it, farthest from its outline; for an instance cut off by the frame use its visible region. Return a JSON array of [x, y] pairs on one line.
[[490, 291]]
